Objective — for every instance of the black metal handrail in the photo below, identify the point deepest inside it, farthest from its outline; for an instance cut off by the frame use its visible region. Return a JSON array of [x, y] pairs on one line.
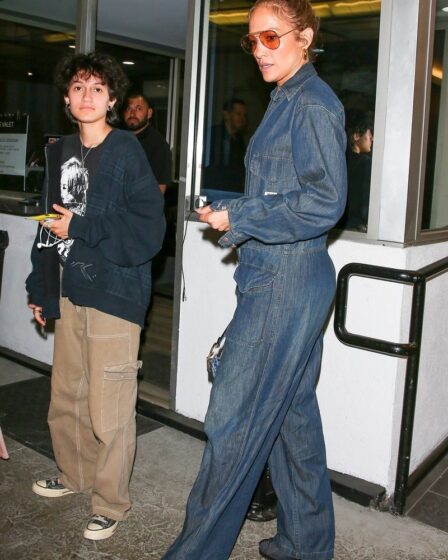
[[410, 350]]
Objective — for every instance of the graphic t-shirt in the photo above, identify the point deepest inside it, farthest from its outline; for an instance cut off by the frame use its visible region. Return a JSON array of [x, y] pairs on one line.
[[77, 171]]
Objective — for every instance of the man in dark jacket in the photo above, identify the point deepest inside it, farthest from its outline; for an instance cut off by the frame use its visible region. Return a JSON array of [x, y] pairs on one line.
[[92, 273], [137, 117], [225, 164]]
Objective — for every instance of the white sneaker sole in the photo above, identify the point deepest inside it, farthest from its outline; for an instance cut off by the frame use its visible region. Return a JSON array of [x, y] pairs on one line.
[[48, 493], [100, 534]]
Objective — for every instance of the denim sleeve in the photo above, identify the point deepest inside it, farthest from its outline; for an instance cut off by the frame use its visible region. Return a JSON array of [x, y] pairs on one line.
[[132, 235], [318, 199], [34, 283]]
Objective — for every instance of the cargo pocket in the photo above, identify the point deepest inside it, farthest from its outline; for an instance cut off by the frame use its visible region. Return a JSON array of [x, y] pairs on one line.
[[119, 395], [254, 295]]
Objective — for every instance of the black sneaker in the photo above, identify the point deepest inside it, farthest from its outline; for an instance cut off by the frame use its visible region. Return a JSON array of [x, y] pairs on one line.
[[51, 488], [100, 527]]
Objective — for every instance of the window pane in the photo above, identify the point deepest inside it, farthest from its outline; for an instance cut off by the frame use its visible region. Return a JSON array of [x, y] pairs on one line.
[[28, 56], [236, 99], [148, 73], [435, 201], [347, 59], [237, 96]]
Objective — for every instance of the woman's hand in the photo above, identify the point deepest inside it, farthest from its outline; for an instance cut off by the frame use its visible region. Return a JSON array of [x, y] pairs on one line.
[[37, 313], [217, 220], [60, 227]]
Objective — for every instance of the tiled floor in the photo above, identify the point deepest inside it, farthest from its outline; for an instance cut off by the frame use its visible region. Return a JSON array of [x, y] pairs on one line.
[[428, 503], [155, 351]]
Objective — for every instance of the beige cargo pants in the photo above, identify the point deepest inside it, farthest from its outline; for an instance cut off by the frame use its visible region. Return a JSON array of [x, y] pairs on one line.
[[92, 409]]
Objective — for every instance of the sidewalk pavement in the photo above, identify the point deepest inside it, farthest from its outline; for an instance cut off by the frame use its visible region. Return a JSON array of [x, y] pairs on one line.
[[36, 528]]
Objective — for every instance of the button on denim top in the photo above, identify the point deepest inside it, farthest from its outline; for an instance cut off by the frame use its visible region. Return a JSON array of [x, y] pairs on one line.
[[296, 177]]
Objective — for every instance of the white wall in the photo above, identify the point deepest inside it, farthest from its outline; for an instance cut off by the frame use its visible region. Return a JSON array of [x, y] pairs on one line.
[[357, 388], [360, 392], [209, 305], [431, 414], [18, 331]]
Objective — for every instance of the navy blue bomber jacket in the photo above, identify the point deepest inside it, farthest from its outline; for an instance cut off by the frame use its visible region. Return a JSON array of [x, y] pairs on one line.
[[109, 264]]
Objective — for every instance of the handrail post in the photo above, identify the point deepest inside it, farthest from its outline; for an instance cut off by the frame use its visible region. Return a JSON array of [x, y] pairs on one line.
[[409, 398], [410, 350]]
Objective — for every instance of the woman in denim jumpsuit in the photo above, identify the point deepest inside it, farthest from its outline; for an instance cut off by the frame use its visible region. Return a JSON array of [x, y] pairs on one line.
[[263, 404]]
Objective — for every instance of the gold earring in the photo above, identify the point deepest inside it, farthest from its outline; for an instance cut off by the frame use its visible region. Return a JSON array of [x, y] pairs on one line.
[[305, 54]]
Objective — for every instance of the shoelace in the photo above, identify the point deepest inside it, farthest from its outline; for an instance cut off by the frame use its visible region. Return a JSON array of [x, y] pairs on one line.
[[101, 520]]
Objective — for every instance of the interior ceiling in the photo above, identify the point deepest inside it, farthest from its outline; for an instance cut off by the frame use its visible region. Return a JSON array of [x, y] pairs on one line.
[[158, 22], [34, 34]]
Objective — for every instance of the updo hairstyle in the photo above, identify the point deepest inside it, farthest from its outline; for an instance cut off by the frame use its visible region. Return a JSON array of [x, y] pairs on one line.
[[298, 12]]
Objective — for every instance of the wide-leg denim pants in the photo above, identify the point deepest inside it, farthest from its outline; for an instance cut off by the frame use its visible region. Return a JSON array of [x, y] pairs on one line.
[[263, 406]]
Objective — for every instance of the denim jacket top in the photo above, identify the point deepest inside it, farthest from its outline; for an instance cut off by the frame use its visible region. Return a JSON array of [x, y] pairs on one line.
[[296, 177]]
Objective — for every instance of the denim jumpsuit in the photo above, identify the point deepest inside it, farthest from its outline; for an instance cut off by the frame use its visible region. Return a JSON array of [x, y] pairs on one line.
[[263, 404]]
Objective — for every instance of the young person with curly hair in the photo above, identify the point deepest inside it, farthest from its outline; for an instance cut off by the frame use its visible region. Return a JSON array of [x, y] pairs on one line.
[[359, 170], [92, 273], [263, 404]]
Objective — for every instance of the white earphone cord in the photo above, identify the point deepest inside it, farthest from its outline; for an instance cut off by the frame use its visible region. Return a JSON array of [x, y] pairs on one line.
[[41, 244]]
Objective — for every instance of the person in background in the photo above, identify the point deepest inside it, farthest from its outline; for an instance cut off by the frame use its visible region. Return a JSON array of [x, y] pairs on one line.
[[263, 404], [225, 168], [92, 273], [359, 171], [137, 116]]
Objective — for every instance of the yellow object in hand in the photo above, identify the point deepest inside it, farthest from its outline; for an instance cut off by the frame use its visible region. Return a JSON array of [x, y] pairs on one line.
[[44, 217]]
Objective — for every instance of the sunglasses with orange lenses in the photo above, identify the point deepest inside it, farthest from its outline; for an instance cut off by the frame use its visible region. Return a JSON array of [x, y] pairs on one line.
[[270, 39]]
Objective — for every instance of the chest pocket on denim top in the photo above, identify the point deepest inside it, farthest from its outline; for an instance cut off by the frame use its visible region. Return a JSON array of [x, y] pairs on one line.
[[254, 297], [273, 174]]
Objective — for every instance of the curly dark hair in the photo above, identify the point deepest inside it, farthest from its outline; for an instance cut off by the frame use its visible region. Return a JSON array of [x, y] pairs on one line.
[[97, 64], [357, 122]]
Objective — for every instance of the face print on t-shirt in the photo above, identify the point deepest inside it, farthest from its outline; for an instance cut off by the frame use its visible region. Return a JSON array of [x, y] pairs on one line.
[[74, 185]]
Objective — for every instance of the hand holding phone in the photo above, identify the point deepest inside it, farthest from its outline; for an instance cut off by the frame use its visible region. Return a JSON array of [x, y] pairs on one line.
[[45, 217]]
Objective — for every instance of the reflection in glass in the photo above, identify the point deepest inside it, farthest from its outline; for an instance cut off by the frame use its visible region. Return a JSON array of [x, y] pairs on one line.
[[236, 98], [347, 59], [359, 128], [27, 58], [435, 202], [225, 165]]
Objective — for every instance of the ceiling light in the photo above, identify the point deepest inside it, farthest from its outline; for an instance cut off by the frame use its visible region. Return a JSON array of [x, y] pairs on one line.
[[437, 72], [128, 62], [29, 73], [445, 9], [57, 37], [72, 46]]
